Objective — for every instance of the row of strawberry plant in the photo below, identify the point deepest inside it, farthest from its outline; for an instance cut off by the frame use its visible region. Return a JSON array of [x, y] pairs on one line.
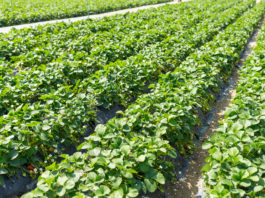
[[99, 47], [66, 31], [236, 165], [124, 81], [125, 156], [59, 118], [39, 54], [30, 84], [25, 11]]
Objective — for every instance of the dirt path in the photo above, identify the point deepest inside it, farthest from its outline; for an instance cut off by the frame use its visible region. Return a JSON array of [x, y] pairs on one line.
[[191, 185], [68, 20]]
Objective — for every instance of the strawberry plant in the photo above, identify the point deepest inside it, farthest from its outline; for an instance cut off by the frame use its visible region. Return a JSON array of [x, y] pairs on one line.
[[235, 167], [44, 111], [26, 11], [125, 156], [31, 83], [58, 116]]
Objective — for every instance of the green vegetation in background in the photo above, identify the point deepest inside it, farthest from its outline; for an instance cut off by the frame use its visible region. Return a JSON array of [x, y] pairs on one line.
[[60, 115], [126, 155], [13, 12], [236, 165]]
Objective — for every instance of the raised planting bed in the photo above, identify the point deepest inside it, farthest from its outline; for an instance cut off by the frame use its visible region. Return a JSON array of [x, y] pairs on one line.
[[235, 167]]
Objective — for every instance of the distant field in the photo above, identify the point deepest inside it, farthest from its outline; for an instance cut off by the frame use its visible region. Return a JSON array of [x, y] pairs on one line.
[[24, 11]]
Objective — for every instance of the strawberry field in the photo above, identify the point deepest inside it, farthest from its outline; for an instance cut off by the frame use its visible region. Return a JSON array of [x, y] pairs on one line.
[[104, 108], [14, 12], [235, 167]]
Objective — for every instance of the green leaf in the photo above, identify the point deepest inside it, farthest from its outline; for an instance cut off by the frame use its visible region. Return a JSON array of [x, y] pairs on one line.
[[254, 178], [245, 183], [92, 176], [150, 185], [207, 145], [126, 128], [141, 158], [28, 195], [172, 120], [125, 149], [13, 154], [44, 187], [206, 168], [112, 165], [144, 167], [133, 192], [62, 179], [117, 182], [70, 184], [80, 195], [219, 188], [109, 136], [172, 153], [44, 137], [258, 188], [127, 174], [3, 171], [117, 193], [217, 155], [100, 129], [239, 191], [46, 127], [237, 126], [252, 170], [95, 152], [233, 151], [61, 191], [83, 187], [103, 190], [160, 178]]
